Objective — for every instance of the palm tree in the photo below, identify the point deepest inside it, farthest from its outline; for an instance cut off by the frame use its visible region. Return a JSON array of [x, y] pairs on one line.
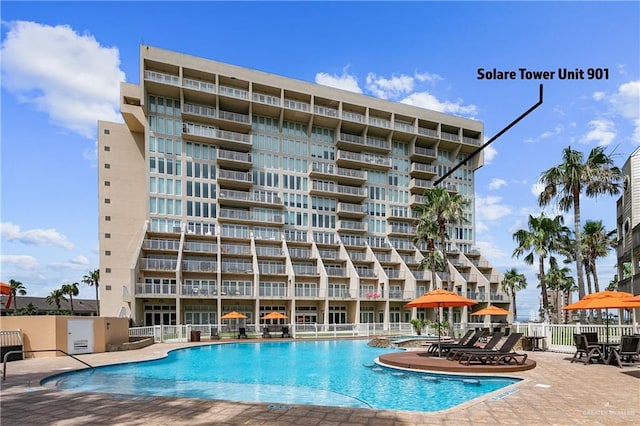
[[93, 280], [597, 242], [70, 290], [440, 210], [559, 281], [56, 296], [566, 181], [512, 283], [543, 238], [17, 288]]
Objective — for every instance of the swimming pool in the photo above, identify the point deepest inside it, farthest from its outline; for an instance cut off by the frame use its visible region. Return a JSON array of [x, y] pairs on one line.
[[333, 373]]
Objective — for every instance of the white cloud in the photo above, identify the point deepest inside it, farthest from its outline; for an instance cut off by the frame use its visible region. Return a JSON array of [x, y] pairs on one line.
[[428, 101], [626, 102], [491, 251], [78, 263], [598, 95], [426, 76], [556, 131], [490, 208], [481, 227], [391, 88], [68, 76], [536, 189], [345, 81], [39, 237], [497, 183], [489, 154], [19, 260], [602, 131]]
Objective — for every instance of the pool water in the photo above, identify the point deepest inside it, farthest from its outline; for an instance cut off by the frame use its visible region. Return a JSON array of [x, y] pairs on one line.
[[332, 373]]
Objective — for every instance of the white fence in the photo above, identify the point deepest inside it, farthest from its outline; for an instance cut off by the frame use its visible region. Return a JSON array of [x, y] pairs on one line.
[[557, 337]]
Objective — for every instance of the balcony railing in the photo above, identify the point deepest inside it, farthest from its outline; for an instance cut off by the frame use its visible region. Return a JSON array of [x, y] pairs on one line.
[[234, 155], [297, 105], [161, 77], [404, 127], [450, 136], [167, 245], [235, 175], [199, 290], [200, 247], [427, 132], [305, 269], [427, 152], [326, 111], [266, 99], [271, 268], [238, 249], [203, 86], [237, 267], [353, 116], [380, 122], [233, 92], [156, 288], [299, 253], [199, 266], [269, 251], [159, 264]]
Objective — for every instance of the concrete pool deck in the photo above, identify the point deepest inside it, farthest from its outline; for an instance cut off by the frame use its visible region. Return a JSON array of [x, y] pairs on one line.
[[555, 392]]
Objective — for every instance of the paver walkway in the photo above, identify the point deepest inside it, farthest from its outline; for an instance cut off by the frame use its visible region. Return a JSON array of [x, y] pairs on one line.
[[556, 392]]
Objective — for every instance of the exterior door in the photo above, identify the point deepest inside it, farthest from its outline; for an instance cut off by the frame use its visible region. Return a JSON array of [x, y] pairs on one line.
[[80, 336]]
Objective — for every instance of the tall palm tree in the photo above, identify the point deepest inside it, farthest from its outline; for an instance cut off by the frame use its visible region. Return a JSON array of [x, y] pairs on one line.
[[596, 175], [560, 282], [511, 284], [93, 280], [440, 210], [17, 288], [56, 296], [597, 242], [543, 238], [70, 290]]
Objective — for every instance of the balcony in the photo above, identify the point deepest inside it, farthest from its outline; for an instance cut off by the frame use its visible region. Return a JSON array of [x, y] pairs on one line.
[[200, 247], [394, 274], [418, 186], [244, 198], [416, 200], [233, 215], [305, 269], [405, 127], [421, 154], [398, 229], [339, 174], [362, 160], [422, 171], [269, 251], [234, 159], [296, 110], [199, 266], [422, 275], [379, 122], [325, 111], [353, 116], [358, 143], [335, 271], [453, 137], [431, 133], [235, 249], [235, 179], [155, 289], [236, 267], [351, 226], [299, 253], [223, 138], [329, 254], [339, 293], [348, 210], [161, 77], [367, 273], [233, 92], [161, 245], [151, 264], [341, 192], [198, 85], [271, 268], [471, 141], [192, 290]]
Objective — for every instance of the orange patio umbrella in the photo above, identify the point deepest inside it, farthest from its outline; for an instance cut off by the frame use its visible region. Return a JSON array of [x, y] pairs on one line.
[[6, 290], [233, 315], [492, 310], [635, 298], [606, 299], [440, 298], [274, 316]]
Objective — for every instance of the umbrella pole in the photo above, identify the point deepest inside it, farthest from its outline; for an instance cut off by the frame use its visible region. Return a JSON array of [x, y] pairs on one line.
[[438, 325]]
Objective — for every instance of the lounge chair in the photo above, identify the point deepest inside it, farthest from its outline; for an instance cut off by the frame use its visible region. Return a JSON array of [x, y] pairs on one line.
[[265, 333], [242, 333], [583, 347], [446, 347], [504, 355], [285, 332], [495, 338], [433, 347], [628, 350]]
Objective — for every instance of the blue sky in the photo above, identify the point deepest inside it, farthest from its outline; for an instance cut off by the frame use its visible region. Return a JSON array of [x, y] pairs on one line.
[[62, 62]]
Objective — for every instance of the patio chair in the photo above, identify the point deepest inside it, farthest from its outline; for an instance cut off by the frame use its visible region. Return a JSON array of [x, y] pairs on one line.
[[242, 333], [265, 333], [285, 332], [628, 350], [592, 337], [583, 347], [495, 338], [504, 355], [468, 340]]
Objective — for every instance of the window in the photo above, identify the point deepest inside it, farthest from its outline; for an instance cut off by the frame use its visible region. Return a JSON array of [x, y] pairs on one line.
[[107, 183], [107, 148], [107, 131], [107, 270], [107, 165], [107, 252], [107, 200], [107, 218], [107, 235]]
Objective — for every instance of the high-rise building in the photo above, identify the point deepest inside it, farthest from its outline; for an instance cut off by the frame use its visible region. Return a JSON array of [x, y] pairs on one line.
[[628, 225], [233, 189]]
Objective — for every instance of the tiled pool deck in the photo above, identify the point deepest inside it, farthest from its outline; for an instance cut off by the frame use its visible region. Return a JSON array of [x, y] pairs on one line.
[[556, 392]]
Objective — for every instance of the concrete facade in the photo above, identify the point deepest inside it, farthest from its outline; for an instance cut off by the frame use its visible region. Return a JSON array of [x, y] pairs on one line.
[[628, 224], [233, 189]]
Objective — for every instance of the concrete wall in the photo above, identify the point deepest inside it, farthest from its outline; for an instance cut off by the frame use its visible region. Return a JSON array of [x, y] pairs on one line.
[[42, 332]]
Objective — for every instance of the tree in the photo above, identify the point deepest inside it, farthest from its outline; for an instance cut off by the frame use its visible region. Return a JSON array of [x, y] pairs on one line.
[[559, 281], [566, 181], [511, 284], [440, 210], [544, 237], [56, 296], [70, 290], [30, 309], [597, 242], [93, 280], [17, 288]]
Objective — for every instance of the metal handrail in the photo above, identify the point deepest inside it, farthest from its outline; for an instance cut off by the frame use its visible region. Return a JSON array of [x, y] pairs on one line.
[[6, 356]]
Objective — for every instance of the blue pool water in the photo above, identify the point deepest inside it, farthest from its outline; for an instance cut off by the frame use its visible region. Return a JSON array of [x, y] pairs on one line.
[[334, 373]]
